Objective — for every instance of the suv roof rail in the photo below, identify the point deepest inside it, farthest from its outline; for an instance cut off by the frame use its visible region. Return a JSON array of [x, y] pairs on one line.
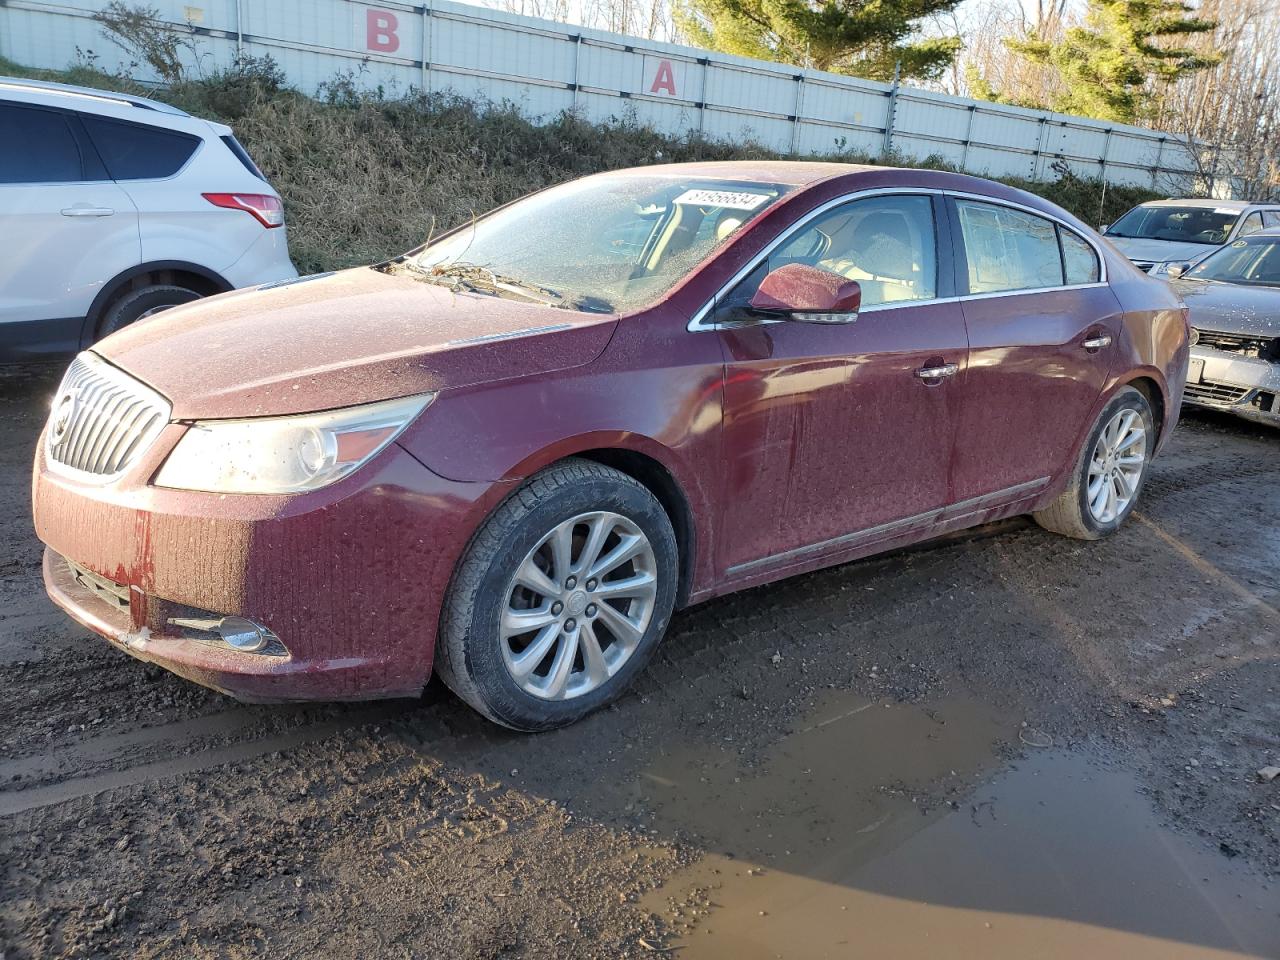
[[68, 90]]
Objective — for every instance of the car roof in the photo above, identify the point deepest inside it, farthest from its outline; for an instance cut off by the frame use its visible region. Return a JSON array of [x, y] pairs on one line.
[[1236, 205], [795, 173], [44, 91], [106, 103]]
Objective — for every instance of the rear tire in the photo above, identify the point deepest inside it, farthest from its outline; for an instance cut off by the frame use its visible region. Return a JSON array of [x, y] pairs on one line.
[[143, 302], [1109, 472], [538, 629]]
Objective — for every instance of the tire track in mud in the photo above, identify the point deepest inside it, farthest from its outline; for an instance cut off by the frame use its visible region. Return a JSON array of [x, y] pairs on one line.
[[123, 769], [713, 652]]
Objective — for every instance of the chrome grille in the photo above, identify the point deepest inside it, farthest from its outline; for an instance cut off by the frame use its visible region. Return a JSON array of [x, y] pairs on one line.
[[1231, 342], [1210, 391], [102, 418]]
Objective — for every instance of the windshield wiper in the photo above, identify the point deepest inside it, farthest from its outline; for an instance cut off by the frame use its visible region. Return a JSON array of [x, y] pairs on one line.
[[477, 279], [483, 280]]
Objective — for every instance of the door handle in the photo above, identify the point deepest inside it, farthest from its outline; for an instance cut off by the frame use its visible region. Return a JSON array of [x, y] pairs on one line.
[[1097, 343], [938, 372], [87, 211]]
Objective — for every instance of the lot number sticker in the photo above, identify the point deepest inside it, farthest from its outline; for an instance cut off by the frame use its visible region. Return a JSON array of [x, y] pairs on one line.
[[722, 198]]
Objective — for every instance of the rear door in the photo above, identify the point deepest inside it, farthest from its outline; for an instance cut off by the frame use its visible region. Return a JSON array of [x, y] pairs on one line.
[[1043, 329], [68, 228], [165, 171], [833, 438]]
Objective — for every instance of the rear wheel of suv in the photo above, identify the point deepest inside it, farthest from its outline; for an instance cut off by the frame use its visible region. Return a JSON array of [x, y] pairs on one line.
[[561, 598], [1109, 471], [143, 302]]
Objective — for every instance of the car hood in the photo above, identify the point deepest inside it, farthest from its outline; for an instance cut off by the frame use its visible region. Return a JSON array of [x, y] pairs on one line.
[[338, 339], [1158, 251], [1232, 307]]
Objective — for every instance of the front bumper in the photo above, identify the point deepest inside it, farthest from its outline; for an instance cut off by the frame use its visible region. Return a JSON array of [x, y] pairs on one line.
[[1245, 386], [350, 578]]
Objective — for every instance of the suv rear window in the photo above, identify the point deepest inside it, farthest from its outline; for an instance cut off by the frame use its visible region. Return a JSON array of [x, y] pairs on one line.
[[43, 148], [134, 151]]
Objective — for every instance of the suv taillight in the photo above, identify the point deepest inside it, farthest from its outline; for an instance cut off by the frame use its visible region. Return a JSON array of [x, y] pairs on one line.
[[266, 209]]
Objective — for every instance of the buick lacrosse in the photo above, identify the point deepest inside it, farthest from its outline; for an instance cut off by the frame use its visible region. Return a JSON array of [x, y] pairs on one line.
[[508, 456]]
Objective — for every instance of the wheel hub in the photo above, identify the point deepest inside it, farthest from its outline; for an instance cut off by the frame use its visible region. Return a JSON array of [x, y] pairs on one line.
[[1116, 466], [578, 606]]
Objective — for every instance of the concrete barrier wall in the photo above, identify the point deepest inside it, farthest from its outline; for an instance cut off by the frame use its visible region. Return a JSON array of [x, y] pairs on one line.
[[546, 67]]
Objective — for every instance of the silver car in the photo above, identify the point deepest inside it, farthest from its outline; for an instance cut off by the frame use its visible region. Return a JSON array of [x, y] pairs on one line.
[[1156, 234], [1234, 298]]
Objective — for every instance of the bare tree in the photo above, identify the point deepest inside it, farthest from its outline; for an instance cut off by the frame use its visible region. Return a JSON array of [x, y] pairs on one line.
[[987, 63], [650, 19], [1229, 117]]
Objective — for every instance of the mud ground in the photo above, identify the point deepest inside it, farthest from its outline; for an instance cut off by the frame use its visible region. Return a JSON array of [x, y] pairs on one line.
[[1007, 745]]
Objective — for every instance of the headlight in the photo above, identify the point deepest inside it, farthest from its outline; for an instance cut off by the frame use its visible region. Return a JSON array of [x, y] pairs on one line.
[[284, 454]]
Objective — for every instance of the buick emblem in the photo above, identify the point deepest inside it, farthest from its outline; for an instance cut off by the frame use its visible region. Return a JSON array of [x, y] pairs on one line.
[[63, 412]]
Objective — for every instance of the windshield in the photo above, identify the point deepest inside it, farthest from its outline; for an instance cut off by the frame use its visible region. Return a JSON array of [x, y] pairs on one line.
[[1209, 225], [1252, 261], [604, 244]]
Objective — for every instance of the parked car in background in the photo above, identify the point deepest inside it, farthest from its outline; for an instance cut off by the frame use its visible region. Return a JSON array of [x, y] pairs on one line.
[[1234, 299], [1156, 234], [510, 455], [116, 207]]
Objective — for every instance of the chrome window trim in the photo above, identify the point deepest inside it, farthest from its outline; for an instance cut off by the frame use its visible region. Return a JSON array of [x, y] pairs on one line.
[[699, 323]]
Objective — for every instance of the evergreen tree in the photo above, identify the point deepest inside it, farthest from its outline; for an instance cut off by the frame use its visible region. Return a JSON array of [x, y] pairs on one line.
[[1108, 66], [864, 38]]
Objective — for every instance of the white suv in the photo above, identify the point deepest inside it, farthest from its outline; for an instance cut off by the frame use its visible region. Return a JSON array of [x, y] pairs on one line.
[[114, 207]]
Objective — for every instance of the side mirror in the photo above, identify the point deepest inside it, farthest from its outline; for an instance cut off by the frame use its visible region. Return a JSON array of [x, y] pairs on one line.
[[809, 294], [1175, 270], [1102, 227]]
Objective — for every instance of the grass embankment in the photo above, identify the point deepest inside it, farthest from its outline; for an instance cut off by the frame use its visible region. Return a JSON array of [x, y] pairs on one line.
[[365, 175]]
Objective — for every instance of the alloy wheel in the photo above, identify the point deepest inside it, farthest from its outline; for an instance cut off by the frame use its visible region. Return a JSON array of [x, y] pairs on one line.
[[1115, 468], [578, 605]]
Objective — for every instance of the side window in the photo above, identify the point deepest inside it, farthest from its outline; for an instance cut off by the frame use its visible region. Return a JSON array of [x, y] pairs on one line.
[[1271, 219], [1252, 224], [40, 147], [887, 244], [1007, 249], [1079, 258], [133, 151]]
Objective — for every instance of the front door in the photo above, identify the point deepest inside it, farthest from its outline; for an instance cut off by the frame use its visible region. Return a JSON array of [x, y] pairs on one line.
[[836, 436]]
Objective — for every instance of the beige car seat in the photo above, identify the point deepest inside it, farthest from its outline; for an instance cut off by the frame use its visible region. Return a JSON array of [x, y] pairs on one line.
[[879, 256]]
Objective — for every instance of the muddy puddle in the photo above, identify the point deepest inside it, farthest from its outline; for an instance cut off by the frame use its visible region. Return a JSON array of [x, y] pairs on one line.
[[943, 831]]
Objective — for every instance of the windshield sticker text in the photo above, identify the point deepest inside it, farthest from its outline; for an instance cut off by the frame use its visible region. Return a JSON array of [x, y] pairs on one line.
[[722, 198]]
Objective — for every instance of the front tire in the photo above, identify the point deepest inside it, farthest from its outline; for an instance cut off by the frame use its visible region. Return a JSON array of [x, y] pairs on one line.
[[1109, 472], [561, 598]]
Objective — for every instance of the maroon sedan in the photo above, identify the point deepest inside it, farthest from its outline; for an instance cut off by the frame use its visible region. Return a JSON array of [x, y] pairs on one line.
[[510, 455]]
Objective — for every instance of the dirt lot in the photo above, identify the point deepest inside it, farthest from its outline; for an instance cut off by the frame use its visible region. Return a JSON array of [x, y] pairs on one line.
[[1008, 745]]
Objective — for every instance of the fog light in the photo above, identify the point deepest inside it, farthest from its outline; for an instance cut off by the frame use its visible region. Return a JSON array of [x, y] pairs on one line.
[[239, 633]]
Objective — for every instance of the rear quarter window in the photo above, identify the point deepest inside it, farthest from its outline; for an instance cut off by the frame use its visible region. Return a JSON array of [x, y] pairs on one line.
[[135, 151], [1079, 259], [39, 147]]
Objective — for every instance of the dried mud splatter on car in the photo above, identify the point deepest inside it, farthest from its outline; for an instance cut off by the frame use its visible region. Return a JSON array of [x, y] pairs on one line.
[[913, 697]]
